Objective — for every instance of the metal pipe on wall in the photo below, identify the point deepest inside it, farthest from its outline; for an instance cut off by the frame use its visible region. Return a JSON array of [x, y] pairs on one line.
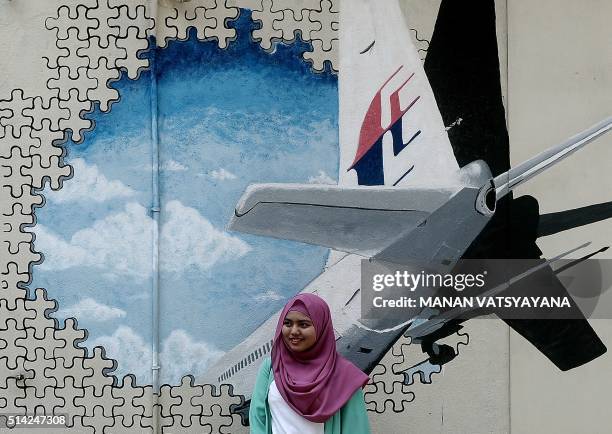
[[155, 215]]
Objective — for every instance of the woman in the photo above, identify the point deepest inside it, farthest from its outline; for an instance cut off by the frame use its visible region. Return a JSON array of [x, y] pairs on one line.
[[306, 387]]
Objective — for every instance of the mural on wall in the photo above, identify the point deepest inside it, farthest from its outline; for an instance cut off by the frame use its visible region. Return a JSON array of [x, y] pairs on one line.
[[227, 106], [215, 137], [95, 226], [392, 135]]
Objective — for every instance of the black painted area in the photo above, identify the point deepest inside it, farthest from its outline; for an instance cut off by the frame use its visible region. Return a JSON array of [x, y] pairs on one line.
[[563, 220], [462, 65]]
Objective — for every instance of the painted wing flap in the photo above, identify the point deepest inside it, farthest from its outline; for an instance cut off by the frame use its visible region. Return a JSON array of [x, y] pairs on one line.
[[568, 343], [358, 220]]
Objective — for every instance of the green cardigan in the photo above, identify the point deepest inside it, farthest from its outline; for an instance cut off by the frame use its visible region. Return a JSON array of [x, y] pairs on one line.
[[350, 419]]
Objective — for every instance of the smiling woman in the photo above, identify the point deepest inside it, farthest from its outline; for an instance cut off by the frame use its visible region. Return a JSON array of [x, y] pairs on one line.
[[306, 387], [299, 333]]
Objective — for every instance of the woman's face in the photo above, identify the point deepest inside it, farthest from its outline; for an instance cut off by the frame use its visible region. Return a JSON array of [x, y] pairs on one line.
[[299, 333]]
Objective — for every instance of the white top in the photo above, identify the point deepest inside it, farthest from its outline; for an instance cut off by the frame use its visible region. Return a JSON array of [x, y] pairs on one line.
[[285, 420]]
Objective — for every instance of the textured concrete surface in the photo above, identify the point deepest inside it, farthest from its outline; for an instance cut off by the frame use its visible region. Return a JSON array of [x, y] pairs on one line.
[[62, 59], [560, 83]]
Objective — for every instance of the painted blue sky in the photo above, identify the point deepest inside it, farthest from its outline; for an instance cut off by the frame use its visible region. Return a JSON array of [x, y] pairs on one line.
[[227, 118]]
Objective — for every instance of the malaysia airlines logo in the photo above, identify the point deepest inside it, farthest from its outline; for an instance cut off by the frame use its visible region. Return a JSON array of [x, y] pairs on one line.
[[368, 162]]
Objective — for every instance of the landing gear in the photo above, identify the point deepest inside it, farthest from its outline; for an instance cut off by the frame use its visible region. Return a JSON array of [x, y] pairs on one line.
[[438, 354]]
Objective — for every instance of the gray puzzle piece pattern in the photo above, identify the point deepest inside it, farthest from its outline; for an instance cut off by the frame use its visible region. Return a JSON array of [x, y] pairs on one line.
[[43, 365], [315, 21], [404, 371]]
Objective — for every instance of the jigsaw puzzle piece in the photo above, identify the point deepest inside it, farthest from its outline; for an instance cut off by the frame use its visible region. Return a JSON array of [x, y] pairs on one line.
[[128, 392], [103, 13], [39, 382], [105, 400], [220, 421], [99, 422], [13, 112], [201, 21], [102, 368], [33, 404], [184, 411], [10, 282], [266, 34], [178, 18], [138, 18], [72, 60], [69, 337], [319, 56], [424, 370], [67, 20], [65, 84], [12, 225], [290, 26], [45, 110], [69, 393], [14, 391], [328, 23], [221, 14], [75, 122], [31, 344], [42, 306], [13, 366], [383, 397], [72, 369], [132, 45], [19, 314]]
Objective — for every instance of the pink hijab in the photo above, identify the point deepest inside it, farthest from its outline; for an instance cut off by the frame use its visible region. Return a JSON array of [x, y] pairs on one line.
[[317, 382]]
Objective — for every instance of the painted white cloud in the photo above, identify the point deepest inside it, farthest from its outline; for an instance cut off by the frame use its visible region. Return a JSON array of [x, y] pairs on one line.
[[268, 295], [321, 178], [59, 254], [189, 239], [133, 355], [180, 355], [121, 244], [222, 174], [89, 184], [167, 166], [92, 310]]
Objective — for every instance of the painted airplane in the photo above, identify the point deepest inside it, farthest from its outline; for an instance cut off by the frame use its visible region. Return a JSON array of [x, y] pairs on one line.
[[401, 197]]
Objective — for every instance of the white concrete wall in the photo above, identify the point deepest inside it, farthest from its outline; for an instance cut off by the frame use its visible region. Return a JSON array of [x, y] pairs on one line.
[[560, 81]]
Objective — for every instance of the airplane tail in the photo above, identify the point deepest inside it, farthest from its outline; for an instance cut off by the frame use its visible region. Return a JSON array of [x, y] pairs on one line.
[[391, 131]]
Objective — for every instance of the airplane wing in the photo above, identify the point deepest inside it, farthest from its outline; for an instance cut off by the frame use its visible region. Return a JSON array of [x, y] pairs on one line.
[[568, 343], [506, 182], [360, 220]]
